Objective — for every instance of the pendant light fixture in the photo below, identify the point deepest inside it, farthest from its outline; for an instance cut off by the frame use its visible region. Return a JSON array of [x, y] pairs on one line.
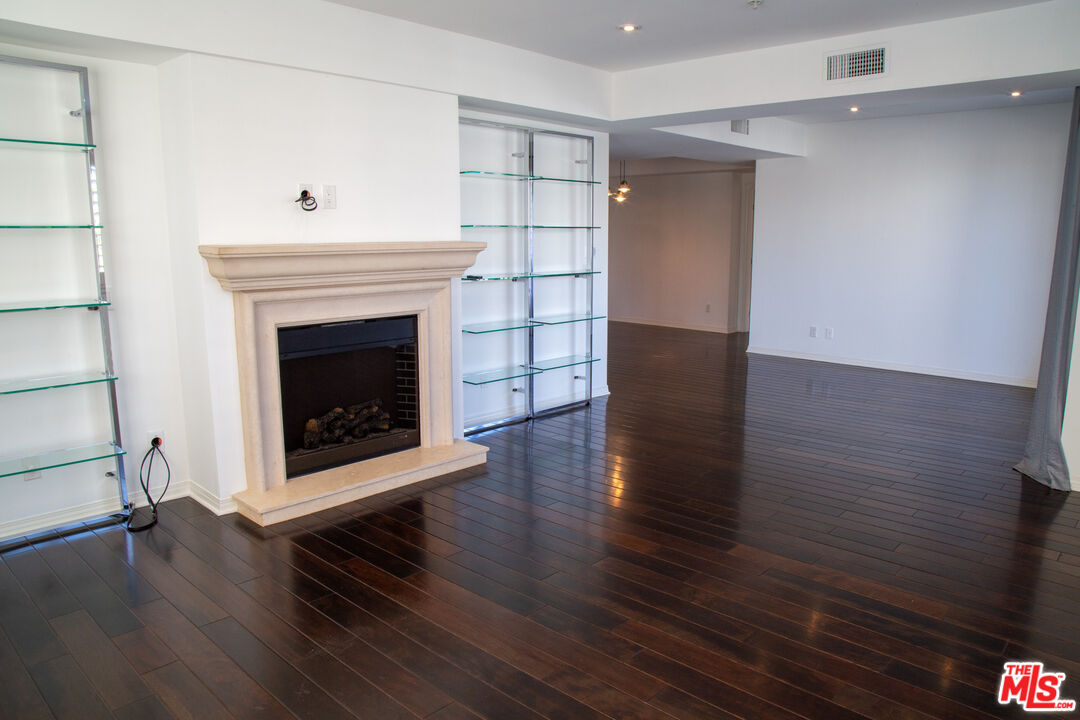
[[620, 193]]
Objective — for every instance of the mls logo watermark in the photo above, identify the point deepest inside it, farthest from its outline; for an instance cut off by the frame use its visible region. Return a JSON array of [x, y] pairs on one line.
[[1032, 689]]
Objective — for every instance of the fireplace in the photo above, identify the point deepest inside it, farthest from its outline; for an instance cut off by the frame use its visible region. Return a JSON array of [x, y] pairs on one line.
[[284, 298], [348, 391]]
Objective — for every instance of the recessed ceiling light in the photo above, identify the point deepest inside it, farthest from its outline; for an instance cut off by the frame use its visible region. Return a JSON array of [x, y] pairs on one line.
[[629, 27], [854, 108], [1015, 93]]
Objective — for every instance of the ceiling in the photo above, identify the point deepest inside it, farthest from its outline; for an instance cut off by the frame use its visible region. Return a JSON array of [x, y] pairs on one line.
[[586, 31]]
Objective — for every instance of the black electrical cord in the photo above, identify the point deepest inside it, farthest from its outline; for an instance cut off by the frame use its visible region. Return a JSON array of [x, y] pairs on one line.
[[155, 450], [307, 201]]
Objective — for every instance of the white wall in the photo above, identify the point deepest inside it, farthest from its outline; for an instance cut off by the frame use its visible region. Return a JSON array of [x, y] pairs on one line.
[[925, 242], [127, 131], [239, 137], [675, 248]]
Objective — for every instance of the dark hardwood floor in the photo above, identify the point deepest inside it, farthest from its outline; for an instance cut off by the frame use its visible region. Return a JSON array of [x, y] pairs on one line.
[[725, 536]]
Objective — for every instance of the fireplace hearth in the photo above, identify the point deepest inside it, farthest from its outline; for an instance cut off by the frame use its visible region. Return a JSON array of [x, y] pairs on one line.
[[348, 391]]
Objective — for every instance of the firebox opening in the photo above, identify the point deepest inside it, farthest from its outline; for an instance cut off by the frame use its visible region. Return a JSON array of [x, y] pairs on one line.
[[349, 391]]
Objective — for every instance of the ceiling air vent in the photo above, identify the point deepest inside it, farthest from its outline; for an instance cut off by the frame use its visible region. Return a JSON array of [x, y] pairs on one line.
[[855, 64], [740, 126]]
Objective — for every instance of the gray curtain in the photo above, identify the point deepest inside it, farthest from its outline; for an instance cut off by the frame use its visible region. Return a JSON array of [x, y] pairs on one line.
[[1044, 458]]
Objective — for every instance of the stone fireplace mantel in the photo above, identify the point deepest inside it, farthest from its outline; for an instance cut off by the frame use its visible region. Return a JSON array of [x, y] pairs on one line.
[[302, 284]]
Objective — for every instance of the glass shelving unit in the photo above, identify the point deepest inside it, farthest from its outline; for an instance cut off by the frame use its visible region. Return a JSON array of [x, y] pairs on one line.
[[527, 303], [46, 97]]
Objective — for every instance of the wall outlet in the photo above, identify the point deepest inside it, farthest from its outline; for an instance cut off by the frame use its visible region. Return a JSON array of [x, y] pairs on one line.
[[813, 331], [329, 193], [305, 186], [151, 434], [828, 333]]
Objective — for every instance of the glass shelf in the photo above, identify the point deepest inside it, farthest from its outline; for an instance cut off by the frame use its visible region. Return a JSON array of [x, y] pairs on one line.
[[51, 227], [561, 362], [28, 305], [497, 326], [526, 276], [522, 176], [52, 143], [22, 385], [537, 227], [569, 180], [59, 458], [516, 371], [491, 376], [494, 174], [565, 319], [519, 227]]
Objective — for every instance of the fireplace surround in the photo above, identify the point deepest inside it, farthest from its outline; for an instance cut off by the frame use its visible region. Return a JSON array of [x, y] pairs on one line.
[[291, 285]]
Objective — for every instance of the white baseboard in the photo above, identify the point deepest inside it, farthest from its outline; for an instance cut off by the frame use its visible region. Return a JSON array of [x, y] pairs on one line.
[[87, 511], [216, 505], [678, 326], [899, 367]]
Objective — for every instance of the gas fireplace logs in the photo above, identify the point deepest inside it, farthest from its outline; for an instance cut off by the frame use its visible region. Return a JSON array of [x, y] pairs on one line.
[[346, 425]]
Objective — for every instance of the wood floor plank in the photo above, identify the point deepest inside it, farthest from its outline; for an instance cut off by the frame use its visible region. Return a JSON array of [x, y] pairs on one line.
[[19, 697], [502, 660], [100, 660], [238, 692], [352, 690], [39, 581], [67, 691], [126, 582], [149, 708], [214, 554], [183, 694], [187, 598], [94, 595], [27, 629], [144, 650], [443, 675]]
